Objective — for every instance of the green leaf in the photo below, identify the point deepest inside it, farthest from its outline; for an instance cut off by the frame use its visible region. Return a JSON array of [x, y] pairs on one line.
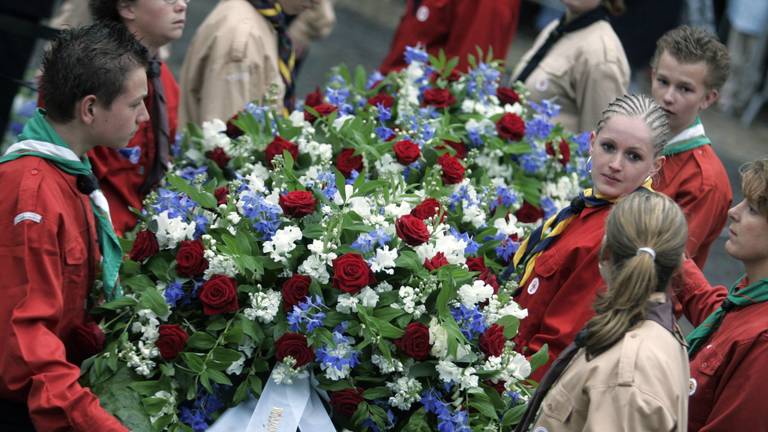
[[510, 324], [241, 393], [252, 329], [138, 283], [153, 300], [423, 369], [256, 385], [376, 393], [540, 358], [118, 304], [146, 388], [513, 415], [384, 328], [493, 397], [117, 397], [410, 261], [484, 406], [417, 422], [201, 341], [387, 313], [225, 355], [201, 197], [219, 377], [193, 361], [158, 266]]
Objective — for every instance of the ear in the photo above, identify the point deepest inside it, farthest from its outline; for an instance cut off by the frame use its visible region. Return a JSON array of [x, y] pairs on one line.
[[592, 136], [126, 10], [709, 98], [86, 109], [657, 164]]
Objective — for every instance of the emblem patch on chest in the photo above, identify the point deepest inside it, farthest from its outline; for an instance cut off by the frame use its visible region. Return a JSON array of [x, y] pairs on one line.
[[533, 286], [422, 14], [542, 84], [27, 216], [692, 385]]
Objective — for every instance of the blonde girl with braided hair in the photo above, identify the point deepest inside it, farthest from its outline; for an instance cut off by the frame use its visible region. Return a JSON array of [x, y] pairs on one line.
[[557, 265], [627, 370]]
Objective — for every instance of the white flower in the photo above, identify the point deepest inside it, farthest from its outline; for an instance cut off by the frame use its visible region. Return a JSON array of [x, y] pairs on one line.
[[387, 366], [236, 368], [384, 260], [508, 228], [297, 119], [319, 152], [438, 338], [213, 135], [219, 264], [247, 346], [495, 310], [315, 267], [387, 164], [406, 391], [478, 292], [518, 366], [368, 297], [171, 231], [282, 243], [264, 306], [346, 303], [383, 287], [474, 215], [397, 210], [359, 205], [341, 120], [447, 371]]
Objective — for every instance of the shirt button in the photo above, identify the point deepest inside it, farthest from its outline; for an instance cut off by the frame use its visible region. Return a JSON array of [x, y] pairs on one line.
[[34, 171], [704, 364]]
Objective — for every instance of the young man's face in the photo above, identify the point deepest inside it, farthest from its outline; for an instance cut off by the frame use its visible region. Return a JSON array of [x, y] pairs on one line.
[[114, 126], [680, 88], [295, 7], [622, 156], [747, 233], [155, 22]]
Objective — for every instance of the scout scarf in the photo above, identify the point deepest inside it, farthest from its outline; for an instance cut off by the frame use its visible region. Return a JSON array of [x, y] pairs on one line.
[[272, 12], [41, 140], [690, 138], [749, 295], [598, 14], [660, 313], [546, 234]]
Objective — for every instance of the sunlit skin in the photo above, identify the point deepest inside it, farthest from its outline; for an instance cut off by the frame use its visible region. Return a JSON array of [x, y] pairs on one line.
[[622, 156], [154, 22], [117, 123], [748, 239], [681, 90]]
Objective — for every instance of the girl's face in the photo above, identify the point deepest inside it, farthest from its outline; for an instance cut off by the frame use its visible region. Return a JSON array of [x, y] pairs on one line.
[[578, 7], [622, 156], [747, 233]]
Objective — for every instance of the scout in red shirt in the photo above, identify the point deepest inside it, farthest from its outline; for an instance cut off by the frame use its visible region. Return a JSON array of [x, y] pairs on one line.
[[56, 238], [457, 27], [729, 348], [688, 69], [126, 176], [560, 269]]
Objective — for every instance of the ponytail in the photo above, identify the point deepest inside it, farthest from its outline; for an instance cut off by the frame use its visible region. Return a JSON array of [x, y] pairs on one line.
[[615, 7]]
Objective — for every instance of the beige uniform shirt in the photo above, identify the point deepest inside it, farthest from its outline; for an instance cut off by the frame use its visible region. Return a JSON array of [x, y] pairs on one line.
[[639, 384], [232, 60], [582, 72]]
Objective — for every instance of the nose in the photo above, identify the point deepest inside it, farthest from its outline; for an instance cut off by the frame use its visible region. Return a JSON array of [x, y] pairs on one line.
[[615, 162], [733, 212], [143, 114], [669, 94]]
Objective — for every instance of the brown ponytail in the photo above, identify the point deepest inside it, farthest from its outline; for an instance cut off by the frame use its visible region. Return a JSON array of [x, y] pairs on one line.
[[641, 220], [615, 7]]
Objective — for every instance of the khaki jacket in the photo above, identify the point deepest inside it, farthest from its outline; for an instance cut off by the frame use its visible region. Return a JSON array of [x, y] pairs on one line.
[[584, 71], [312, 24], [639, 384], [232, 60]]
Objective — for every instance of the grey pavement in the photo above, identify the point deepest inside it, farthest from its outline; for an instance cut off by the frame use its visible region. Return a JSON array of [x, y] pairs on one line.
[[362, 35]]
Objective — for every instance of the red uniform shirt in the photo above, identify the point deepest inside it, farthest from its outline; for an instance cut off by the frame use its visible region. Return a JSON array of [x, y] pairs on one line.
[[121, 180], [455, 26], [48, 258], [560, 291], [729, 374], [697, 181]]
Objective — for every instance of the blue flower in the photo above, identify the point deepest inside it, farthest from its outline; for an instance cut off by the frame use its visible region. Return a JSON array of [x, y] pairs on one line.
[[482, 82], [201, 225], [374, 78], [352, 177], [337, 96], [190, 173], [194, 418], [548, 206], [257, 111], [535, 161], [472, 245], [308, 313], [173, 293], [340, 355], [547, 108], [538, 128], [504, 196], [198, 413], [582, 140], [384, 133], [470, 320], [385, 114], [325, 183], [178, 205], [417, 54], [366, 242], [176, 144], [264, 216], [507, 248]]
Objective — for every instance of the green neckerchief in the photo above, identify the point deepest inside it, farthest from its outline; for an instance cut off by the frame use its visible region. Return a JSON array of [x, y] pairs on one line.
[[38, 129], [692, 137], [755, 293]]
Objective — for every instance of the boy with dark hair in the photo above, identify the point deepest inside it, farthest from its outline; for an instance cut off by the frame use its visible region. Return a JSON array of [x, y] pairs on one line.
[[689, 68], [57, 238], [127, 176]]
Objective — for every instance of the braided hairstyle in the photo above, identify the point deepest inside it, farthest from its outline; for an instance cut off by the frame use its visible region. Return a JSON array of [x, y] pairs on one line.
[[641, 220], [648, 110]]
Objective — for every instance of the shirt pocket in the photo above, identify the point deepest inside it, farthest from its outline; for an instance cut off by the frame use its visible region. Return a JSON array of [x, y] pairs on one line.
[[550, 79], [75, 274], [556, 407], [704, 381]]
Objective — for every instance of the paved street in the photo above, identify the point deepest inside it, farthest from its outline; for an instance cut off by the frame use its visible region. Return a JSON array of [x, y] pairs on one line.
[[362, 35]]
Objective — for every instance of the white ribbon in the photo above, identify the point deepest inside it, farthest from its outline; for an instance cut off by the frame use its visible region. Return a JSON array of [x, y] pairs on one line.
[[281, 408], [64, 153]]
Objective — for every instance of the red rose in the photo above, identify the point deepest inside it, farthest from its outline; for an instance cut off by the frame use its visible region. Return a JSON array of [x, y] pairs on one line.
[[436, 261], [438, 98], [459, 147], [453, 170], [382, 99], [295, 290], [564, 150], [476, 264], [233, 131], [347, 161], [528, 213], [351, 273], [221, 195], [219, 295], [511, 127], [489, 278], [492, 341], [84, 340], [345, 402], [426, 209], [277, 146], [190, 261], [415, 342], [324, 109], [406, 151], [171, 341], [314, 99], [297, 204], [412, 230], [218, 156], [294, 345], [453, 76], [507, 96], [144, 246], [498, 386]]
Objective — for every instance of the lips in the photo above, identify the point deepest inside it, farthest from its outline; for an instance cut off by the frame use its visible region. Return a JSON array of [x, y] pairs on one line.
[[610, 178]]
